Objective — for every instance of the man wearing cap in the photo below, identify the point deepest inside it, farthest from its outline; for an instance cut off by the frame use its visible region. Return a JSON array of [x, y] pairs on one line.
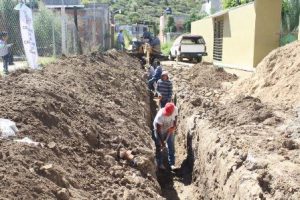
[[164, 89], [164, 126]]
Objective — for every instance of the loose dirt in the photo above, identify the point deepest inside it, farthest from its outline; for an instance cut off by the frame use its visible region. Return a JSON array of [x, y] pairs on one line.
[[234, 140], [276, 80], [241, 148], [80, 109]]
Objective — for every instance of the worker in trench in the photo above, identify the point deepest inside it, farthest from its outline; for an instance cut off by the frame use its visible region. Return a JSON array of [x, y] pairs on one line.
[[164, 127], [164, 89], [155, 75]]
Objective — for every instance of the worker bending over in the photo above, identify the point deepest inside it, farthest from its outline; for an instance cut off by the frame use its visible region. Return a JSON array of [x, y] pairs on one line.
[[164, 126]]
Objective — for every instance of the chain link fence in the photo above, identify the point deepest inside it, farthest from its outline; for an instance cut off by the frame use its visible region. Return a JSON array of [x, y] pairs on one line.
[[58, 30]]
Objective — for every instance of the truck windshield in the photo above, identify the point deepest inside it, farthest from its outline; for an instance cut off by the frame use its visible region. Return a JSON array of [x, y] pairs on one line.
[[193, 40]]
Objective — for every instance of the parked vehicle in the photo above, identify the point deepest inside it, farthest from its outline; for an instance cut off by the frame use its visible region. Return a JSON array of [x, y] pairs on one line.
[[188, 46]]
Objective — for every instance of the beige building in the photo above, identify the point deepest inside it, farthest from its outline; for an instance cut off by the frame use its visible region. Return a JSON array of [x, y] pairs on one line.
[[242, 36]]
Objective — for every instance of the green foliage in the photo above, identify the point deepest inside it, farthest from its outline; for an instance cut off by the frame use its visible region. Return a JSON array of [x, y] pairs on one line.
[[290, 15], [190, 19], [290, 20], [288, 39], [127, 38], [149, 10], [45, 22], [121, 18], [233, 3], [134, 17], [165, 48], [155, 29], [171, 26], [9, 21]]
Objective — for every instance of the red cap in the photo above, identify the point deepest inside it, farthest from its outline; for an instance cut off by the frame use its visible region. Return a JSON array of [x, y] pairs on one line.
[[169, 109]]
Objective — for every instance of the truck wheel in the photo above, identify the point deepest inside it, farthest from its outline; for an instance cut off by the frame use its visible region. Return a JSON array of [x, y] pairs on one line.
[[170, 57], [199, 59], [178, 59]]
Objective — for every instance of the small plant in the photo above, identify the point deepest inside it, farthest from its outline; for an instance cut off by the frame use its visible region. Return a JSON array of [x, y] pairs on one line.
[[165, 48]]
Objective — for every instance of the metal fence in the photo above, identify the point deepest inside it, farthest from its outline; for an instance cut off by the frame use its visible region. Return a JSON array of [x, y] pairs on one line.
[[59, 30]]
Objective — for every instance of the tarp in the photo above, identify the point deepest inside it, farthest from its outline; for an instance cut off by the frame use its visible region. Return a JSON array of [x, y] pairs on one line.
[[28, 37]]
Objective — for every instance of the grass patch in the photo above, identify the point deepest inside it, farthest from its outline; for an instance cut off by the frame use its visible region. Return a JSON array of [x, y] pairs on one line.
[[46, 60], [165, 48]]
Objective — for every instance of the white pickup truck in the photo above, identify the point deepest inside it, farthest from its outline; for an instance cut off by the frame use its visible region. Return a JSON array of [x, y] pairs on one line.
[[188, 46]]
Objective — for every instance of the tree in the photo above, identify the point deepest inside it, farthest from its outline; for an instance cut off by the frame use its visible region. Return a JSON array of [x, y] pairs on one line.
[[233, 3], [9, 21], [134, 17], [290, 15], [171, 26], [193, 17], [45, 24]]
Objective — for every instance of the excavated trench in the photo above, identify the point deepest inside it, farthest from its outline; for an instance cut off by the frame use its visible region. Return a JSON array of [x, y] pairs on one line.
[[183, 172], [237, 150], [233, 150]]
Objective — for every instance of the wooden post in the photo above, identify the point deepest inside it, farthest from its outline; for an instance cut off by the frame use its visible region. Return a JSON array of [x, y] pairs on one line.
[[63, 31], [53, 39], [77, 31], [112, 30]]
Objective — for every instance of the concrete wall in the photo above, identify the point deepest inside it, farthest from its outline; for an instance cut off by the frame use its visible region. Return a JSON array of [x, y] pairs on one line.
[[267, 34], [205, 28], [251, 31], [238, 37]]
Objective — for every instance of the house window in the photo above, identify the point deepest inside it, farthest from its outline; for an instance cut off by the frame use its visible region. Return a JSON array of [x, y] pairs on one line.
[[218, 38]]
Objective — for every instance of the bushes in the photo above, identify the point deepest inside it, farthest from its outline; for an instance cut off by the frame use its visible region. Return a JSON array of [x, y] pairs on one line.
[[45, 24], [165, 48], [9, 21]]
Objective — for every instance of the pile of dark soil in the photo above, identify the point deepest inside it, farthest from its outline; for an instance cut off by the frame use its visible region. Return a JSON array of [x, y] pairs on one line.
[[244, 110], [204, 76], [79, 109]]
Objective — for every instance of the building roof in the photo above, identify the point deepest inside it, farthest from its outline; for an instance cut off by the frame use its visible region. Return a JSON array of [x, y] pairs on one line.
[[62, 3], [223, 12]]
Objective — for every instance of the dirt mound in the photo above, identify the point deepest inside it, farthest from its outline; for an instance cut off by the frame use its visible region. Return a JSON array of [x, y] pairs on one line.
[[244, 110], [240, 148], [79, 109], [276, 80], [204, 75]]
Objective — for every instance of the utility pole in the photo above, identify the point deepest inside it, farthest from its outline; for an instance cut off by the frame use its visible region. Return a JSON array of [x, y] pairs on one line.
[[63, 28], [53, 39], [77, 35], [112, 29]]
